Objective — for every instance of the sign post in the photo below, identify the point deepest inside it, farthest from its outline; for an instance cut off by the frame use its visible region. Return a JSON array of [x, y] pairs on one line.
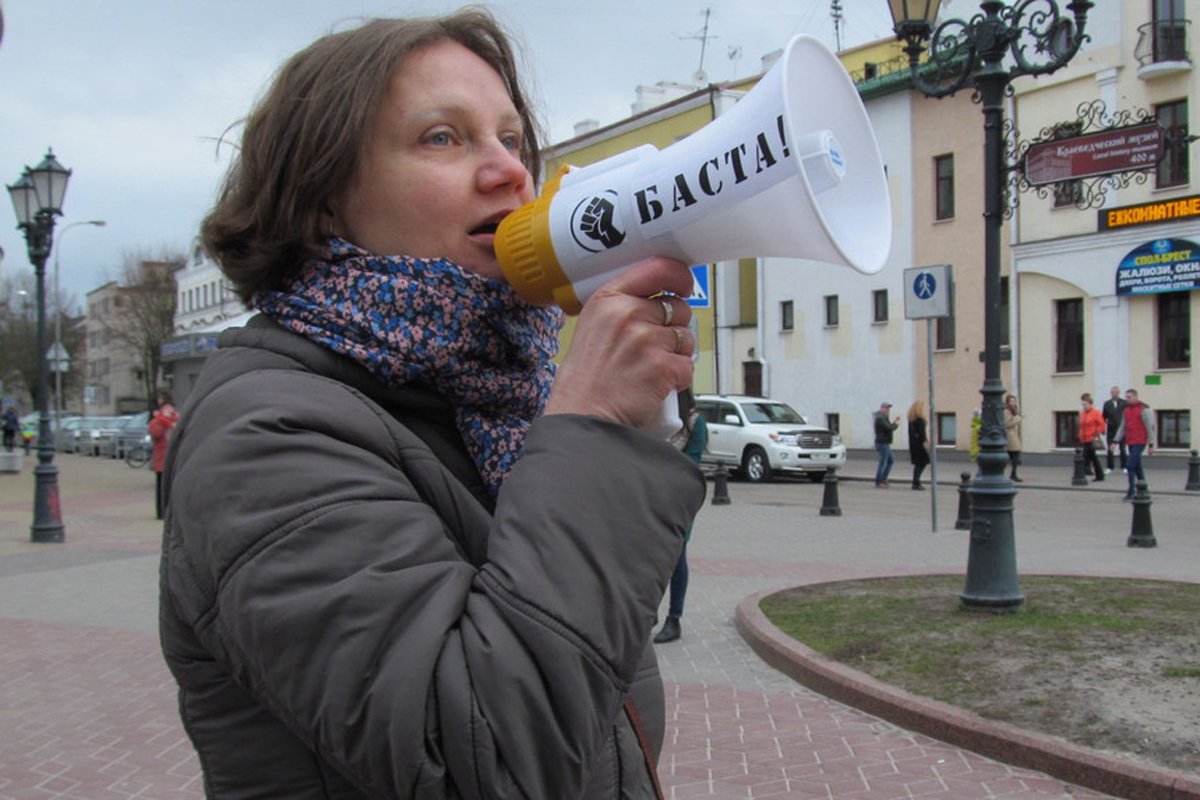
[[929, 295]]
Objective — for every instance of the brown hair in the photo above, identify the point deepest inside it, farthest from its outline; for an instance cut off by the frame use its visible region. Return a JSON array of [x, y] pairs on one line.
[[302, 142], [1086, 397]]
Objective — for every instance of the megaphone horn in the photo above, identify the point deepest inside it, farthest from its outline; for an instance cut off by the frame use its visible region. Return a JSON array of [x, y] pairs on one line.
[[793, 170]]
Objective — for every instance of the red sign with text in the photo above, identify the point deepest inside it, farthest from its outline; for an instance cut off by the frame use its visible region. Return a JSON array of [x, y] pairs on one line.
[[1102, 153]]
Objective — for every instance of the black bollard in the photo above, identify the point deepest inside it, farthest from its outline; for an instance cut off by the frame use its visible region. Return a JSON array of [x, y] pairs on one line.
[[1080, 476], [1141, 533], [1193, 480], [720, 485], [829, 504], [963, 523]]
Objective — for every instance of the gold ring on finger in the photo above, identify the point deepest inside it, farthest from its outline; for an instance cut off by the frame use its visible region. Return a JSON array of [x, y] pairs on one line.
[[679, 340], [668, 312]]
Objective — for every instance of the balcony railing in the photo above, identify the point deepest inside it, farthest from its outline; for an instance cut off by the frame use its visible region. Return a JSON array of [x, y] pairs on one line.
[[1162, 41]]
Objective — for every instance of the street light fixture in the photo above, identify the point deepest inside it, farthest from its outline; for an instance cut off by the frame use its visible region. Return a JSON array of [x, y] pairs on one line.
[[1037, 39], [37, 198], [58, 348]]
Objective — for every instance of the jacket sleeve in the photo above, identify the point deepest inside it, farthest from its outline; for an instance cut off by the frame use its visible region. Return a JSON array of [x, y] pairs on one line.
[[333, 582]]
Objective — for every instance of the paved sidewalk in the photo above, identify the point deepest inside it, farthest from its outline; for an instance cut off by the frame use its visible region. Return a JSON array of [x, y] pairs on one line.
[[87, 710]]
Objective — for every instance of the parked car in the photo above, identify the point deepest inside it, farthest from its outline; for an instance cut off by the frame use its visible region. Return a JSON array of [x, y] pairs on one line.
[[131, 432], [102, 431], [760, 437], [81, 434]]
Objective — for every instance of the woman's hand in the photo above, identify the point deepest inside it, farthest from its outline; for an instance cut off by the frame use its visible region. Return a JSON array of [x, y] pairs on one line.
[[624, 359]]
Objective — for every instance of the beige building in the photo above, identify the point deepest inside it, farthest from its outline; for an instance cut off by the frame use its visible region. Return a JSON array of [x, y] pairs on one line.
[[114, 379], [1107, 273]]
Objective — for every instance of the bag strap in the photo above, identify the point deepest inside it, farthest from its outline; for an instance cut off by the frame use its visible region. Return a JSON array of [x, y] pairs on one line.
[[635, 719]]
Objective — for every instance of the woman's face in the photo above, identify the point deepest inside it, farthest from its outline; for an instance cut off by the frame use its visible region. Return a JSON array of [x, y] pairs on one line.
[[441, 165]]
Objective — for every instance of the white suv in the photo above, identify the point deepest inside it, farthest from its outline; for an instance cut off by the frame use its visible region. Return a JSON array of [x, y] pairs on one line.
[[762, 437]]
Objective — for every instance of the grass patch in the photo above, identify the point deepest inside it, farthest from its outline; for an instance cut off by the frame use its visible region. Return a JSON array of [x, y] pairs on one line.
[[1080, 659]]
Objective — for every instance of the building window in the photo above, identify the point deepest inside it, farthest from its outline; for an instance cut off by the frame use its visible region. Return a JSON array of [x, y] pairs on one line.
[[834, 422], [1174, 330], [944, 333], [1175, 429], [787, 319], [879, 301], [1066, 429], [947, 429], [1170, 30], [943, 168], [1068, 193], [1068, 335], [1005, 310], [1173, 168], [831, 310]]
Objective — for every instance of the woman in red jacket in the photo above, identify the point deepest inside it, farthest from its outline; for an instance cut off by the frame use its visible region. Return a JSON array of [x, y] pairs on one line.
[[1092, 428], [162, 421]]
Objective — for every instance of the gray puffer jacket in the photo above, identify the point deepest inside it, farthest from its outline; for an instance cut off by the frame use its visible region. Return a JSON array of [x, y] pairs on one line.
[[347, 615]]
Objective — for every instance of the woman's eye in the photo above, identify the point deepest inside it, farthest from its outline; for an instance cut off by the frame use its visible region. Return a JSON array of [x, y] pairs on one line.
[[440, 138], [511, 141]]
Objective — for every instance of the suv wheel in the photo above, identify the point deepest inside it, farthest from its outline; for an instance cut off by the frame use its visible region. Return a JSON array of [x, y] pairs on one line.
[[755, 466]]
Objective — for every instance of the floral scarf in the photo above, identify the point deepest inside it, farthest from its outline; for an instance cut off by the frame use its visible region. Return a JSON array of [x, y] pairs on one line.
[[432, 323]]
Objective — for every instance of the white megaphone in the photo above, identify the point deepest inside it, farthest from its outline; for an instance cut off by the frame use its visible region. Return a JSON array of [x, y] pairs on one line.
[[793, 170]]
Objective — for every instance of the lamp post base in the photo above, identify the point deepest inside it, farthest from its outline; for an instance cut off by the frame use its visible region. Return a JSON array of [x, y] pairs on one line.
[[47, 510]]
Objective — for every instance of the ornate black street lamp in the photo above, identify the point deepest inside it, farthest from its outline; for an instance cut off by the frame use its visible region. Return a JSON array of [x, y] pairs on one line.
[[1031, 37], [37, 199]]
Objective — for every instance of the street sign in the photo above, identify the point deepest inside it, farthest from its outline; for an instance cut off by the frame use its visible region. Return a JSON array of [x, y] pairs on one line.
[[58, 358], [928, 292], [700, 296]]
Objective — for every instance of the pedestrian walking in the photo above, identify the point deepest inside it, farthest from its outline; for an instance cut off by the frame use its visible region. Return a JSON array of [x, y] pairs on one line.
[[885, 427], [695, 440], [918, 442], [1091, 435], [1012, 432], [1113, 411], [1137, 432], [162, 421], [12, 427]]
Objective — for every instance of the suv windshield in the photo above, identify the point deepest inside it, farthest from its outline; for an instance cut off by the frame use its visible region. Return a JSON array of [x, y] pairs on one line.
[[771, 412]]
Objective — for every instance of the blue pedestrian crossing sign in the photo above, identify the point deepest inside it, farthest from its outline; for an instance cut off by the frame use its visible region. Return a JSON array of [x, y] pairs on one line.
[[928, 292], [700, 297]]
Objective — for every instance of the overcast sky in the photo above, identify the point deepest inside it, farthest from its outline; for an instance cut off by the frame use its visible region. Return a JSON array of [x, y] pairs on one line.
[[132, 94]]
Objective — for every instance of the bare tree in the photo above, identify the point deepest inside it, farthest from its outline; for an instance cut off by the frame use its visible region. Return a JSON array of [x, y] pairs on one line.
[[147, 317], [18, 339]]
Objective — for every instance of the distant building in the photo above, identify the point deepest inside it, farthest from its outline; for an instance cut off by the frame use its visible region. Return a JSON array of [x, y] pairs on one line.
[[113, 379], [205, 306]]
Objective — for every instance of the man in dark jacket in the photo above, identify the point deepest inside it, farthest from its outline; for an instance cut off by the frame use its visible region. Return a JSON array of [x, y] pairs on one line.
[[885, 427], [1114, 412]]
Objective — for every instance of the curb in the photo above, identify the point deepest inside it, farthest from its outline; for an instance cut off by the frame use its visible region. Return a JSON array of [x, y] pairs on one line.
[[998, 740]]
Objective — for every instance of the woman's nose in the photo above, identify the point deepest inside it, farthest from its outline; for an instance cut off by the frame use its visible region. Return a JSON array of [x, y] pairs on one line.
[[502, 168]]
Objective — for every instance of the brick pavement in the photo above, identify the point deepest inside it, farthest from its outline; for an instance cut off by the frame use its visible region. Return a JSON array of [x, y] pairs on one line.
[[87, 709]]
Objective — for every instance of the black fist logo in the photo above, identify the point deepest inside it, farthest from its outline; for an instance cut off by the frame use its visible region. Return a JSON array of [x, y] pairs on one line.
[[596, 221]]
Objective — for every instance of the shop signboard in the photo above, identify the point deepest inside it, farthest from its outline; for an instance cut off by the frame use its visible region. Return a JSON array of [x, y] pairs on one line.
[[1162, 265]]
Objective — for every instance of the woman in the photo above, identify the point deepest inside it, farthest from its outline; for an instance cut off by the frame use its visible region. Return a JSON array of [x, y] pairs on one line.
[[398, 555], [918, 442], [1091, 435], [162, 421], [1012, 432]]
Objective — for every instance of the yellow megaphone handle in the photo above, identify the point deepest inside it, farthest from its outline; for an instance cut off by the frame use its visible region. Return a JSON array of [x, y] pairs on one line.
[[526, 254]]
